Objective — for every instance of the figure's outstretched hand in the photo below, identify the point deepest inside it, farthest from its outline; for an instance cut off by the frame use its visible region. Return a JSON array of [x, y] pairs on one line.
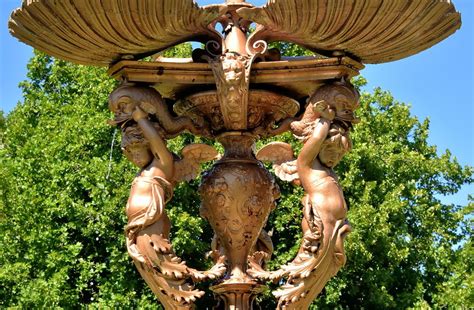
[[139, 114], [325, 110]]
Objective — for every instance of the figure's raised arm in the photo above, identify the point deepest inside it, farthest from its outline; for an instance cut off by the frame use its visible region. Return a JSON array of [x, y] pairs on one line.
[[157, 143], [313, 144]]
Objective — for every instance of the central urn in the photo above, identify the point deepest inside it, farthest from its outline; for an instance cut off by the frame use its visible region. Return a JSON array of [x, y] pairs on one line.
[[237, 195]]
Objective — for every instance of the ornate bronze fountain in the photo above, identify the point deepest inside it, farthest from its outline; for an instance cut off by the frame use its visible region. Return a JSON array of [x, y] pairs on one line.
[[236, 90]]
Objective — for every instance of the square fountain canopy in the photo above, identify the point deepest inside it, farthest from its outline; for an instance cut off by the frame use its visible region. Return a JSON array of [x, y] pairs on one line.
[[103, 32]]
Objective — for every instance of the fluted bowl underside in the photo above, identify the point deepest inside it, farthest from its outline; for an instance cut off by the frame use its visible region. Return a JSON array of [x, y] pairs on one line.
[[103, 32], [372, 31]]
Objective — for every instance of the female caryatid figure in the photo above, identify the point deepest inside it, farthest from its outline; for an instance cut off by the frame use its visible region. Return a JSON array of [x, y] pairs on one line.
[[323, 130], [148, 226], [324, 205], [151, 189]]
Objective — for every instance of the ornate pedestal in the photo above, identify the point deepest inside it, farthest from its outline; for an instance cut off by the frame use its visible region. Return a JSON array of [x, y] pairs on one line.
[[237, 195], [236, 92]]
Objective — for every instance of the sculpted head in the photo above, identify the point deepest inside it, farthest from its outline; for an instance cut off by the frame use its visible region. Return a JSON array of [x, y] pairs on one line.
[[336, 145], [233, 68], [135, 147]]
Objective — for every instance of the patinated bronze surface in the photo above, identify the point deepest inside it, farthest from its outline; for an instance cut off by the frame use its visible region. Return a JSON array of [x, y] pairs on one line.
[[238, 193], [103, 32], [236, 90], [324, 132]]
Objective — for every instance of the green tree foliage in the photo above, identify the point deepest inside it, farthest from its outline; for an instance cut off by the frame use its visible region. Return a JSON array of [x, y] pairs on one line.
[[2, 128], [180, 51], [62, 205], [289, 49], [60, 216]]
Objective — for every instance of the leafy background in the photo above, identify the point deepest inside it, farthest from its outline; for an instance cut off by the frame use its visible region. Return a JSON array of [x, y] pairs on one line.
[[63, 196]]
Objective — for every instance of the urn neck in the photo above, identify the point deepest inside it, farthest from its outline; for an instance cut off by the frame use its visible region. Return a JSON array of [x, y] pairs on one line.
[[237, 145]]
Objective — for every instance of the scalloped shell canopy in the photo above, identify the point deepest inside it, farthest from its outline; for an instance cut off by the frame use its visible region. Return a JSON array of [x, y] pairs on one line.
[[373, 31], [101, 32]]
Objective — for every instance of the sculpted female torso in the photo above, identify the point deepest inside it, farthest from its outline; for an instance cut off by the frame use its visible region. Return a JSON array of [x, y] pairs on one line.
[[145, 123], [324, 130], [319, 154], [150, 189], [146, 182]]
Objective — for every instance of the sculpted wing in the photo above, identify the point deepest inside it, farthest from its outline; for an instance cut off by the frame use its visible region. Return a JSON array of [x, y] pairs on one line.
[[188, 167], [281, 155]]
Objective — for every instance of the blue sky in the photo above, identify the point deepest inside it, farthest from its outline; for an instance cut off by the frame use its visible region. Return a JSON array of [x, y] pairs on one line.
[[438, 83]]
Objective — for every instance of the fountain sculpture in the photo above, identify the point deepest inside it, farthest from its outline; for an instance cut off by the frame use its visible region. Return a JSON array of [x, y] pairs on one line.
[[236, 90]]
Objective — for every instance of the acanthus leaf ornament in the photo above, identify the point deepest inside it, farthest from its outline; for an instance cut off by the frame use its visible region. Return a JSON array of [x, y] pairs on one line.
[[232, 71]]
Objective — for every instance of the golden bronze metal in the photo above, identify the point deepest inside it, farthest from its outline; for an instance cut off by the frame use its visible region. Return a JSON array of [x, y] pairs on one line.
[[372, 31], [324, 130], [103, 32], [148, 226], [235, 91]]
